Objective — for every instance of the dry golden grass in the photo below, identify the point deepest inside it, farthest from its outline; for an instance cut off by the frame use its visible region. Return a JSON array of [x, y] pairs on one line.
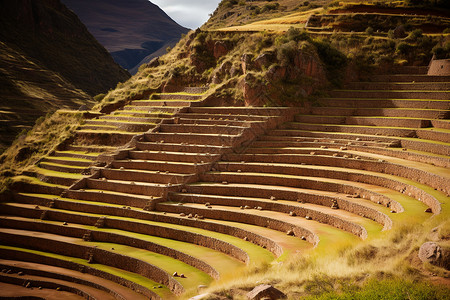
[[31, 146]]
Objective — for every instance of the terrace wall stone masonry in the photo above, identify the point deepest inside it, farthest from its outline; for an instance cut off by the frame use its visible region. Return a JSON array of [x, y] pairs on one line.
[[110, 238], [51, 261], [99, 256], [297, 209], [295, 194], [11, 265], [410, 190], [154, 230], [245, 218]]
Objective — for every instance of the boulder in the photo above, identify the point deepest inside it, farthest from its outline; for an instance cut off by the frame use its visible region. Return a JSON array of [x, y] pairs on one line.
[[434, 254], [265, 291]]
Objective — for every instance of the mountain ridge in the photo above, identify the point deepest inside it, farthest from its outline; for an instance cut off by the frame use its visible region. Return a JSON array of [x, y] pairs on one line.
[[129, 30]]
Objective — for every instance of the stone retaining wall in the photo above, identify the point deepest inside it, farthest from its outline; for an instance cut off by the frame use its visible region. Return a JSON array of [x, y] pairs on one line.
[[51, 261], [298, 209], [99, 256], [142, 228], [41, 273], [304, 183], [226, 215], [111, 238], [43, 284], [299, 196]]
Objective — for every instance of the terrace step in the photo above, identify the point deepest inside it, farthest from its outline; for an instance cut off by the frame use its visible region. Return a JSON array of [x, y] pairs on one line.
[[183, 147], [194, 138], [411, 78], [434, 134], [155, 110], [144, 176], [194, 89], [367, 121], [375, 193], [174, 156], [359, 129], [69, 161], [56, 244], [380, 103], [162, 166], [339, 218], [191, 121], [226, 238], [88, 148], [70, 264], [126, 126], [258, 111], [419, 94], [201, 129], [177, 96], [369, 172], [263, 218], [174, 259], [149, 119], [65, 289], [161, 103], [106, 138], [133, 200], [211, 116], [54, 177], [112, 289], [293, 194], [130, 187], [31, 184], [62, 167], [139, 113], [442, 124], [428, 86], [385, 112]]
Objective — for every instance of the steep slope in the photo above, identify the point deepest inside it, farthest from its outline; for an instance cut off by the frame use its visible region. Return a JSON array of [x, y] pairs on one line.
[[48, 61], [130, 30], [185, 176]]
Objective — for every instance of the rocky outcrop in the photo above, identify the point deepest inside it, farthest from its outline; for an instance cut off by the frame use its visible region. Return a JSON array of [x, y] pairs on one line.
[[433, 253], [265, 291], [295, 79]]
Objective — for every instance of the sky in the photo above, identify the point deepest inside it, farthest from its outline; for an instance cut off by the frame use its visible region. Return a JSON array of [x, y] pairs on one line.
[[188, 13]]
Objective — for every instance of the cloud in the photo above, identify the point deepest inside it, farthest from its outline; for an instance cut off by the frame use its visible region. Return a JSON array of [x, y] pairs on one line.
[[191, 14]]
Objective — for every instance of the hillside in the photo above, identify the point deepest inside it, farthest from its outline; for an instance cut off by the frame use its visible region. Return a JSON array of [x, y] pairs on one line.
[[48, 61], [129, 30], [304, 154]]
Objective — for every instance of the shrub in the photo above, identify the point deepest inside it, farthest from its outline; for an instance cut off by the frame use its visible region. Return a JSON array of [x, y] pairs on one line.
[[414, 35], [286, 53], [369, 30], [295, 34], [270, 6], [404, 48], [99, 97]]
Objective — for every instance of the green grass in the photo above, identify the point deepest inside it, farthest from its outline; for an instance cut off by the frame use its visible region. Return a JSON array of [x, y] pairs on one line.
[[36, 181], [52, 173], [393, 289], [256, 253], [194, 276]]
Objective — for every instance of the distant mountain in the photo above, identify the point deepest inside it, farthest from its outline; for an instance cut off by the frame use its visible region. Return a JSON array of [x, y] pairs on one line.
[[48, 61], [129, 29]]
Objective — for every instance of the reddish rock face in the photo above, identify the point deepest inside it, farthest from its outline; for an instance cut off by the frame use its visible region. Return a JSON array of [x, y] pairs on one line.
[[220, 49], [306, 73]]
